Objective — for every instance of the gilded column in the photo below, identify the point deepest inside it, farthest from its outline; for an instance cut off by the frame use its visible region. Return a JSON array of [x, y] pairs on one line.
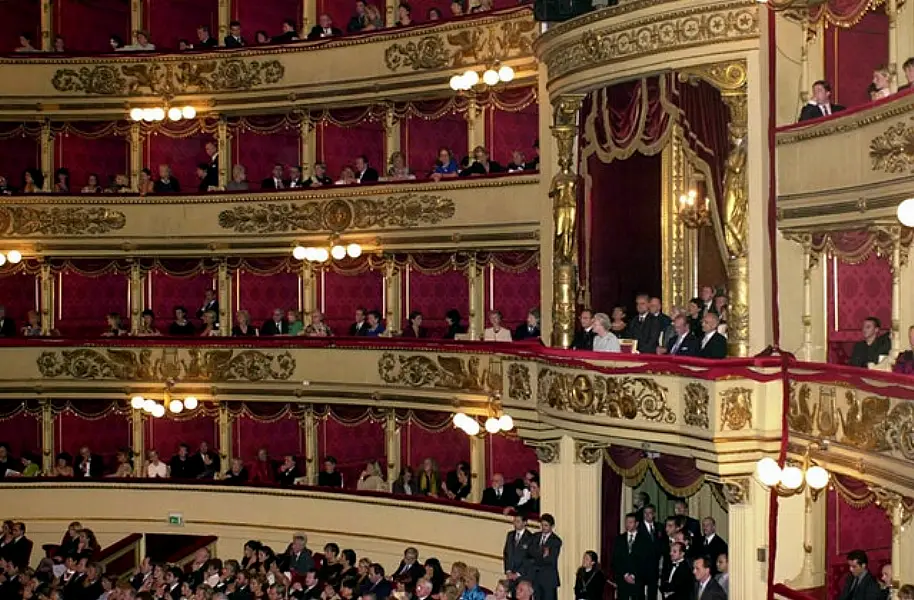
[[476, 282], [309, 422], [891, 10], [136, 153], [810, 259], [812, 574], [224, 139], [136, 16], [393, 291], [308, 154], [47, 154], [47, 26], [225, 435], [47, 298], [677, 264], [391, 122], [748, 529], [224, 288], [309, 289], [897, 265], [48, 452], [564, 194], [136, 296], [225, 17], [392, 444], [138, 439], [476, 125], [309, 16], [902, 538], [477, 466]]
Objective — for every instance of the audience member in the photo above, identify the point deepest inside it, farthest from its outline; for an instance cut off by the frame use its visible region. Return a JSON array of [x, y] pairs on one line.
[[583, 337], [404, 15], [820, 105], [530, 329], [589, 580], [713, 344], [452, 319], [239, 182], [364, 173], [204, 39], [319, 177], [905, 361], [496, 332], [166, 182], [874, 346], [603, 339], [414, 328], [289, 33], [881, 81], [324, 28], [482, 165], [234, 39], [25, 43]]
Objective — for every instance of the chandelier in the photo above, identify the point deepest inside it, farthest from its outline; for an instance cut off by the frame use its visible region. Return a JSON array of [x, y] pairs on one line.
[[14, 257], [693, 212], [790, 479], [157, 410], [496, 422], [158, 113], [321, 254], [491, 77]]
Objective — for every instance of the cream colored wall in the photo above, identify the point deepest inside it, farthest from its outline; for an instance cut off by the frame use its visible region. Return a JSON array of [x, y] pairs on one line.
[[790, 72], [377, 528], [790, 295]]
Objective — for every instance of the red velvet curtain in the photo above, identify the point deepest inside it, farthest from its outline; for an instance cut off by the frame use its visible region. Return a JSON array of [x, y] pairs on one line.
[[104, 435], [435, 437], [164, 292], [625, 212], [848, 528], [18, 153], [259, 294], [84, 301], [852, 54], [18, 295], [21, 431], [511, 130], [266, 15], [182, 153], [272, 426], [864, 289], [17, 17], [258, 153], [342, 294], [166, 433], [338, 146], [421, 138], [87, 25], [514, 294], [353, 440], [104, 156], [510, 456], [172, 20], [435, 294]]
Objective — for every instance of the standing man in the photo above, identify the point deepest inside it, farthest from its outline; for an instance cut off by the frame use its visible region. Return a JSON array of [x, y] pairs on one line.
[[516, 555], [645, 327], [658, 547], [583, 338], [544, 556], [629, 562], [706, 587], [859, 585]]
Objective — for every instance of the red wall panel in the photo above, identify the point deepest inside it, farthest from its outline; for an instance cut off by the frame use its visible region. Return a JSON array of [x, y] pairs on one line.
[[338, 146], [447, 447], [18, 154], [166, 433], [17, 17], [851, 55], [173, 20], [266, 15], [169, 292], [258, 153], [864, 290], [104, 436], [105, 157], [342, 294], [22, 433], [420, 140], [352, 446], [509, 131], [183, 154], [283, 436], [847, 529], [434, 295], [259, 295], [18, 296], [87, 26], [510, 456], [514, 294], [85, 301]]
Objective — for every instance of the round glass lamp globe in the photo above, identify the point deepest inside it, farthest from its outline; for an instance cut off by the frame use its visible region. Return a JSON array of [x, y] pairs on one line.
[[456, 83], [158, 411], [149, 405], [137, 402], [149, 114], [817, 477], [906, 212], [490, 77], [506, 74], [310, 254], [136, 114], [321, 255], [188, 112], [190, 403], [2, 259], [791, 478], [492, 425], [506, 423], [174, 113], [460, 419], [471, 427], [14, 256], [354, 250], [299, 253], [338, 252], [176, 406], [470, 78], [158, 114], [768, 472]]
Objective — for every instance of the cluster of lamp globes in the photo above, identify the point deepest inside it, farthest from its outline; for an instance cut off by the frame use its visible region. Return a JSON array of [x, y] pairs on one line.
[[490, 77], [13, 257], [493, 425], [319, 255], [158, 114], [770, 474], [906, 212], [158, 410]]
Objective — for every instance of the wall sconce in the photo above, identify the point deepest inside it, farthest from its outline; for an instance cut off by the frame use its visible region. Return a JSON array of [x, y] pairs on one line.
[[13, 257], [175, 405], [158, 113], [693, 211], [792, 480], [491, 77], [333, 249], [496, 422]]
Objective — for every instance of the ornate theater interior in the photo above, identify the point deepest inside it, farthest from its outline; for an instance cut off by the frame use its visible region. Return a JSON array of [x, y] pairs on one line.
[[387, 276]]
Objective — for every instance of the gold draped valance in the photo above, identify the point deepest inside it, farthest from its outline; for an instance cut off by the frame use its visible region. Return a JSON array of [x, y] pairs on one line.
[[856, 246]]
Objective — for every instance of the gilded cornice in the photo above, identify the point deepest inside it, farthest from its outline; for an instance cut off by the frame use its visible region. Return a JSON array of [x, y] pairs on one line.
[[89, 220], [624, 39]]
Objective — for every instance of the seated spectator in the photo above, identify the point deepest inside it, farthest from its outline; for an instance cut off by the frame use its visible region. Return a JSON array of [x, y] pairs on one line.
[[404, 15], [347, 176], [237, 474], [5, 188], [499, 495], [375, 325], [324, 28], [905, 361], [116, 42], [210, 468], [141, 43], [457, 8], [357, 22], [518, 162], [181, 326], [330, 477], [277, 325], [481, 164], [372, 19], [243, 327], [317, 327], [155, 468], [184, 45], [364, 173], [124, 461], [414, 328], [32, 327], [433, 14], [319, 178], [295, 179], [682, 342], [63, 466], [210, 326], [239, 182], [166, 184], [92, 186], [371, 478], [118, 184], [693, 314], [147, 326], [404, 483], [263, 470], [459, 489], [25, 43], [881, 81], [713, 344], [275, 181], [604, 340], [293, 317], [496, 332], [32, 181], [289, 33], [204, 39], [203, 186], [619, 323], [60, 45], [529, 503], [534, 163], [908, 68], [530, 330], [454, 327], [446, 166], [483, 6], [62, 181], [398, 171], [7, 324], [906, 592], [145, 185], [820, 105], [115, 327], [472, 591], [31, 465], [287, 472], [871, 92], [234, 39], [873, 347], [262, 37]]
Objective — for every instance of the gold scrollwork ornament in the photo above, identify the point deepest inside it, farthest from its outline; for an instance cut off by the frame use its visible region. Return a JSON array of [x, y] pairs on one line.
[[451, 372], [546, 452], [588, 453], [697, 401], [519, 382], [90, 220], [736, 408]]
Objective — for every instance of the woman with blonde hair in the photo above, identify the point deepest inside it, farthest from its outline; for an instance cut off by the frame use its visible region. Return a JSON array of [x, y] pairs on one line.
[[372, 18], [881, 81], [429, 479], [473, 591], [458, 577], [209, 324], [398, 170], [371, 478]]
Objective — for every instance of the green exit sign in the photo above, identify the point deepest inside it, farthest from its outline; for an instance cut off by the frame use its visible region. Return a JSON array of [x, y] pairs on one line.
[[176, 519]]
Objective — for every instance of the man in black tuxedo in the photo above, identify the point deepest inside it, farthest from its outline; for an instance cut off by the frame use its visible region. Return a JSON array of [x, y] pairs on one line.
[[645, 328], [19, 551], [357, 22], [360, 327], [583, 337], [142, 573], [676, 577], [278, 325], [319, 178], [75, 575], [377, 583], [166, 183], [658, 546], [295, 178], [710, 544], [683, 343], [275, 181], [706, 587], [7, 325], [180, 466], [516, 554], [859, 585], [209, 304], [324, 28], [240, 588], [364, 173], [409, 570], [234, 39], [707, 300], [88, 464], [655, 306], [498, 495], [288, 35], [204, 39], [544, 554], [821, 104], [211, 179], [689, 524], [199, 465], [631, 552], [713, 344], [529, 330]]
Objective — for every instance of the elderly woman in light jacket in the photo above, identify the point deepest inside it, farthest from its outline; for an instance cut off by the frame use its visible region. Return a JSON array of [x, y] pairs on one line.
[[371, 478]]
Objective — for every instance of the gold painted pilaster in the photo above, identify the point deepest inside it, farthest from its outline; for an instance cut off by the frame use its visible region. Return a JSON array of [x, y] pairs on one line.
[[564, 194], [476, 126], [677, 273], [393, 290], [47, 25], [891, 10], [136, 16], [47, 281], [136, 296], [47, 155], [224, 143], [309, 16], [902, 539], [138, 440], [748, 529], [224, 289], [225, 435], [48, 452], [476, 281], [897, 341], [308, 151], [391, 128], [308, 287], [392, 444], [136, 154], [477, 466], [309, 423], [225, 17], [809, 262]]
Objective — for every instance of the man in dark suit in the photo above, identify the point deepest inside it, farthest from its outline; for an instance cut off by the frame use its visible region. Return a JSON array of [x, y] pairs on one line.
[[655, 306], [872, 346], [357, 22], [529, 330], [499, 495], [364, 173], [710, 544], [360, 327], [211, 179], [683, 343], [689, 524], [658, 545], [298, 557], [676, 578], [180, 465], [319, 177], [544, 554], [234, 39], [288, 35], [707, 300], [295, 179], [645, 328], [713, 344], [19, 551], [166, 183], [859, 585], [209, 304], [204, 39], [324, 28], [516, 554], [377, 584], [631, 552], [241, 589], [7, 325], [706, 587], [583, 337], [199, 465], [278, 325], [88, 464], [409, 570], [275, 181], [821, 104]]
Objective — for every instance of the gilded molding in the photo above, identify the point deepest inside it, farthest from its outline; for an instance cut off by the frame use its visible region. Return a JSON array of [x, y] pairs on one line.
[[697, 403], [736, 490], [339, 214], [519, 382], [546, 452], [169, 79], [588, 453], [200, 365], [449, 372], [614, 397], [736, 408], [90, 220], [893, 150], [662, 32]]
